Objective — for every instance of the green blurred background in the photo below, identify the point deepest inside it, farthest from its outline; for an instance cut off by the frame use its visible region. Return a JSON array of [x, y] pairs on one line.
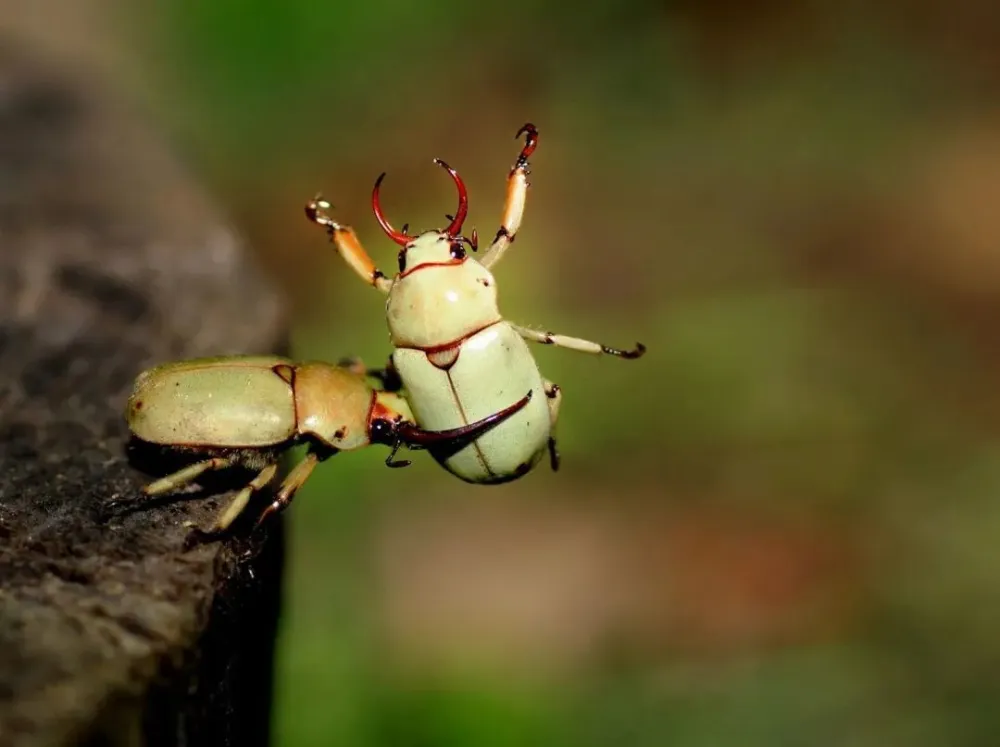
[[778, 528]]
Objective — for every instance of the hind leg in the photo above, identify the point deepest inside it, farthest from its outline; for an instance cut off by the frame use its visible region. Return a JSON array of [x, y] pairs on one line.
[[554, 394], [183, 477]]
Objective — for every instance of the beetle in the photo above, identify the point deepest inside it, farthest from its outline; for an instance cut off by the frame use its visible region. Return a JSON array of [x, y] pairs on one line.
[[457, 357], [245, 411]]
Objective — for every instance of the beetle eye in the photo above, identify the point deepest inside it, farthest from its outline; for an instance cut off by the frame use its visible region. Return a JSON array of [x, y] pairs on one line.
[[382, 432], [402, 261], [457, 251]]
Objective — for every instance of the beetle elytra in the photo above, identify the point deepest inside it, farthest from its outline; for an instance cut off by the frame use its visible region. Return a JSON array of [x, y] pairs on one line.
[[245, 411], [457, 357]]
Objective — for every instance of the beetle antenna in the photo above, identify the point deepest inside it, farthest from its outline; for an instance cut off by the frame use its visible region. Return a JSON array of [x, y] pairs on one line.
[[463, 200], [399, 237]]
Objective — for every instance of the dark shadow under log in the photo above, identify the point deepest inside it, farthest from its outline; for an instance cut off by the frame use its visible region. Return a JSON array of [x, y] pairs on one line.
[[111, 260]]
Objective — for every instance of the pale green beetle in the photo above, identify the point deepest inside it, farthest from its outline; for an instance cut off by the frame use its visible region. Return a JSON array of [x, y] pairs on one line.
[[457, 356], [244, 411]]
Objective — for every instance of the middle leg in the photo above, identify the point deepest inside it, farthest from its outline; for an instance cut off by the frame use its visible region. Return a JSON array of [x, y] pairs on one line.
[[577, 343], [291, 484], [239, 502]]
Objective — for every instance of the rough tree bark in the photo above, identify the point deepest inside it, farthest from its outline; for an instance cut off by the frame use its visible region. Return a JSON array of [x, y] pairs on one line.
[[110, 260]]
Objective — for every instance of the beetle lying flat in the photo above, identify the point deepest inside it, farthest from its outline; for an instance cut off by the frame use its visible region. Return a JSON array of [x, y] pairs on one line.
[[454, 353], [244, 411]]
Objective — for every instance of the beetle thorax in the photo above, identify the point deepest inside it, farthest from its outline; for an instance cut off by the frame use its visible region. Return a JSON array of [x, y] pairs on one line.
[[441, 296], [332, 405]]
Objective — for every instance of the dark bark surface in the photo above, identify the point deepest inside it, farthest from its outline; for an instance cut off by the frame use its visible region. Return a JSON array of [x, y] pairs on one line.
[[110, 261]]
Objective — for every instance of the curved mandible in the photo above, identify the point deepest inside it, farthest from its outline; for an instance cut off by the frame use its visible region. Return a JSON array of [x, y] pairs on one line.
[[399, 237], [463, 200], [417, 438]]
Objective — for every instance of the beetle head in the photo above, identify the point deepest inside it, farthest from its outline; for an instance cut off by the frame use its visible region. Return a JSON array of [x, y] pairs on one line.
[[432, 249], [435, 248], [455, 295], [388, 407], [389, 415]]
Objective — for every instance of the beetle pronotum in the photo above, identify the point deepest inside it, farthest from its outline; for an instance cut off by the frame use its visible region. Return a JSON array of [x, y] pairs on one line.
[[454, 352], [245, 411]]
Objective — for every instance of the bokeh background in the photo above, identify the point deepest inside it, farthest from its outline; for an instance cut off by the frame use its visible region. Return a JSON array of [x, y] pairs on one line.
[[781, 526]]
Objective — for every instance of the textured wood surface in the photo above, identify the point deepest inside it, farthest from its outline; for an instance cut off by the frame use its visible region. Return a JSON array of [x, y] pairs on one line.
[[112, 260]]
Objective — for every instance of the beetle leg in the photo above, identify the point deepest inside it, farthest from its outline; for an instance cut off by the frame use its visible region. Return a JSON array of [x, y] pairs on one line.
[[295, 480], [554, 457], [576, 343], [354, 364], [389, 376], [517, 195], [348, 245], [184, 476], [390, 461], [239, 502], [554, 394]]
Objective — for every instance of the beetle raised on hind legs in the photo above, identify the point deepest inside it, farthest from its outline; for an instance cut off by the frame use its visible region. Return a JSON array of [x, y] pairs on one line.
[[245, 411], [457, 357]]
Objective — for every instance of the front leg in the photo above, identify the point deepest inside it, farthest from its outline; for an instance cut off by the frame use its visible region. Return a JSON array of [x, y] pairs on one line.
[[517, 194], [578, 344], [388, 376], [348, 245]]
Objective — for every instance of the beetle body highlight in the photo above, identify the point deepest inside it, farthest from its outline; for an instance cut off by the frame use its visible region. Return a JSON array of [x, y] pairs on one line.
[[453, 351], [247, 410]]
